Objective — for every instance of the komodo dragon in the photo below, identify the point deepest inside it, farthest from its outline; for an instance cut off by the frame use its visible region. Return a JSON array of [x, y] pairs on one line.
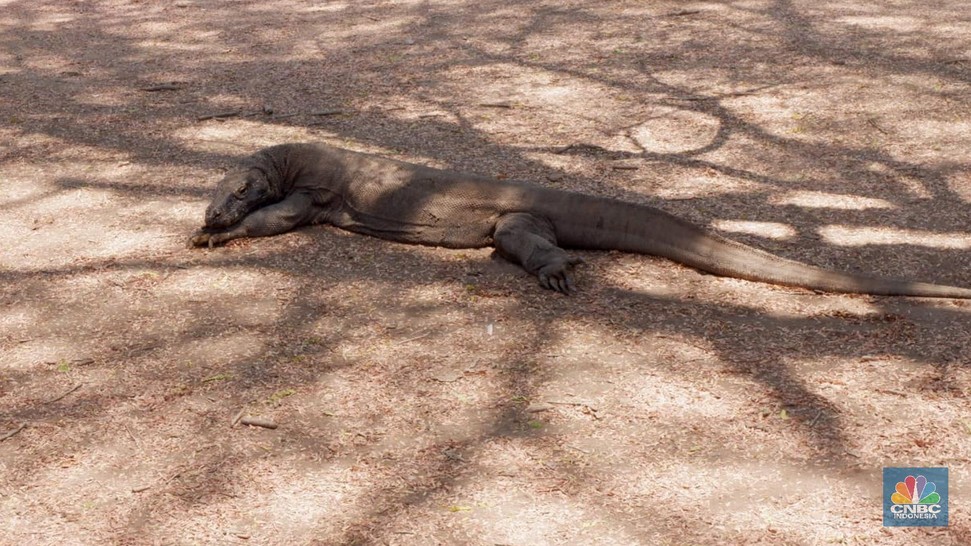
[[290, 185]]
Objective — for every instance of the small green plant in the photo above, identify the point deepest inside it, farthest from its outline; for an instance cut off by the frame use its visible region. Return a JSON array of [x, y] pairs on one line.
[[280, 395]]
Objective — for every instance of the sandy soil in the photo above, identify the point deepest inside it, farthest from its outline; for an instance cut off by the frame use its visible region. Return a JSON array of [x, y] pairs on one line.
[[427, 396]]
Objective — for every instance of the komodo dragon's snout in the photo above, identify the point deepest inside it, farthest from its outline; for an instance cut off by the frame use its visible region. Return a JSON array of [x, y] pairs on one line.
[[239, 193]]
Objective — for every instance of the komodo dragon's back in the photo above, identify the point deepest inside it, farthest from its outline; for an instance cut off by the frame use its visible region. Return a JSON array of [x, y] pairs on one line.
[[285, 186]]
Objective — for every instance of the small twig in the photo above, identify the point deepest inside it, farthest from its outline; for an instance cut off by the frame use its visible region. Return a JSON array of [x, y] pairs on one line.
[[683, 12], [813, 422], [220, 115], [258, 422], [285, 116], [13, 432], [495, 104], [624, 167], [564, 149], [140, 488], [130, 433], [564, 403], [891, 391], [74, 388], [717, 97], [162, 87], [419, 336], [238, 416], [877, 127]]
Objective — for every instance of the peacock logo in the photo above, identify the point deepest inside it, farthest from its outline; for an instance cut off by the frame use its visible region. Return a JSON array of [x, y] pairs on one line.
[[915, 496], [915, 491]]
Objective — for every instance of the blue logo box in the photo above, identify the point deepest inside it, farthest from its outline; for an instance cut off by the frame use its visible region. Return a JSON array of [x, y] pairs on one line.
[[915, 497]]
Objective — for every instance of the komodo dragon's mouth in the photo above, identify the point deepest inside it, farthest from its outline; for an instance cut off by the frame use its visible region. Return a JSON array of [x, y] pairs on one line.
[[214, 229]]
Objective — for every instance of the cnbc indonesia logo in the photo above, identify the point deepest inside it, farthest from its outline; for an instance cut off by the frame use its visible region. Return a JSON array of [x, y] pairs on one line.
[[914, 499]]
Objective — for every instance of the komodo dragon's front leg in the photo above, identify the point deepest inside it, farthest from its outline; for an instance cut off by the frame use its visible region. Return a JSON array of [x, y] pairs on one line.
[[531, 242], [295, 210]]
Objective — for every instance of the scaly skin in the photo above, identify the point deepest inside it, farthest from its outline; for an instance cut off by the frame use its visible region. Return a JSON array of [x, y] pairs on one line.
[[283, 187]]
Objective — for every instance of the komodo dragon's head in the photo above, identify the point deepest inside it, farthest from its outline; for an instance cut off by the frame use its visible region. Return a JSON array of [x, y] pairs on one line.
[[239, 193]]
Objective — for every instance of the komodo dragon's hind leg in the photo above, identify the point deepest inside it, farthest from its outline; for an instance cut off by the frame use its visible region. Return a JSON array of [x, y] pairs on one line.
[[531, 242]]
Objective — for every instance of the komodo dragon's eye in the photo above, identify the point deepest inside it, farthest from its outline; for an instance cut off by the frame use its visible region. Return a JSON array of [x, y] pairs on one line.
[[241, 191]]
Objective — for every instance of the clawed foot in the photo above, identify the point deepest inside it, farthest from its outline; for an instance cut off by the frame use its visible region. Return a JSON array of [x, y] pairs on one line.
[[558, 276], [205, 238]]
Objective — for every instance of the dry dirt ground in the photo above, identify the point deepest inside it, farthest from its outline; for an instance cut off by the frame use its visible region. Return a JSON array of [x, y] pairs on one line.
[[428, 396]]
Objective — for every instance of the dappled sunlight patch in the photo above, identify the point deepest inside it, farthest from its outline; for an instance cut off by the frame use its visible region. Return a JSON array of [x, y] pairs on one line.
[[829, 305], [662, 395], [52, 63], [53, 156], [32, 353], [219, 281], [17, 318], [498, 510], [318, 500], [239, 137], [32, 251], [898, 23], [184, 48], [329, 7], [819, 199], [118, 98], [953, 133], [49, 20], [743, 496], [180, 216], [218, 350], [844, 235], [960, 184], [692, 185], [85, 220], [676, 131], [917, 187], [29, 190], [769, 230], [548, 97]]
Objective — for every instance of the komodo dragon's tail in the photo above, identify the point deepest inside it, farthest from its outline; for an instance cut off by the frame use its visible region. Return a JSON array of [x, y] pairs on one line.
[[608, 224]]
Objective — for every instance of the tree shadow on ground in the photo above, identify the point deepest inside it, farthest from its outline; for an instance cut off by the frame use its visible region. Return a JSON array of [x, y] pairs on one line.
[[740, 336]]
